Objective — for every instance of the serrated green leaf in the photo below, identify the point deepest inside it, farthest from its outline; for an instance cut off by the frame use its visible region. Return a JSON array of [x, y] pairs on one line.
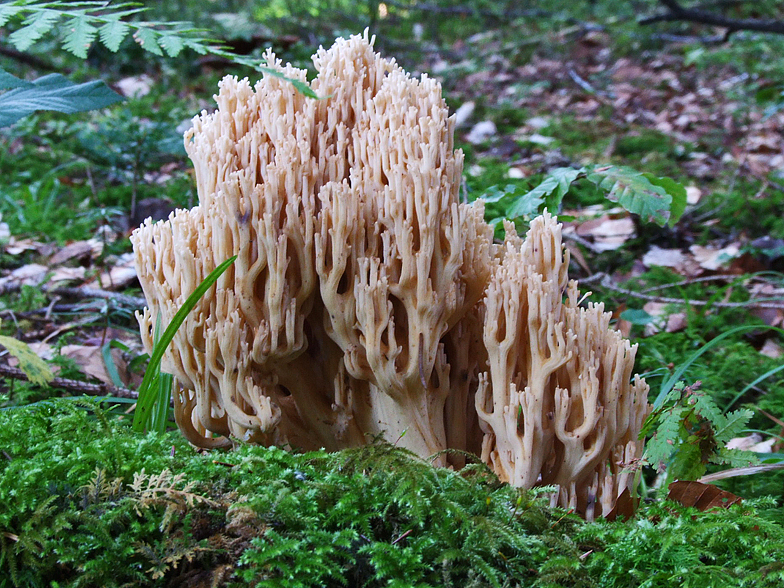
[[632, 190], [496, 193], [33, 366], [200, 48], [35, 26], [8, 11], [526, 205], [636, 316], [676, 190], [564, 177], [113, 33], [172, 44], [54, 92], [8, 81], [79, 35], [147, 39]]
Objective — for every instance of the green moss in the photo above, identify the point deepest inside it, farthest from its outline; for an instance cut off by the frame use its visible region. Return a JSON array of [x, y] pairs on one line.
[[90, 503]]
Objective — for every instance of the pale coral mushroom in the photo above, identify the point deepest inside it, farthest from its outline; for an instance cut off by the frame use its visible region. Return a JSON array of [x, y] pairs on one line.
[[355, 259], [367, 300], [557, 404]]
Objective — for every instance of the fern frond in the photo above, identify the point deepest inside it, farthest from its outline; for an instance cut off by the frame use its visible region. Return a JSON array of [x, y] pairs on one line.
[[35, 26], [147, 38], [113, 32], [79, 35], [8, 11]]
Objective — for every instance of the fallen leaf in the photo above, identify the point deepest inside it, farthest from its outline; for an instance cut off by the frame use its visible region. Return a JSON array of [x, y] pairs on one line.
[[672, 258], [77, 250], [463, 113], [16, 246], [121, 275], [701, 496], [31, 274], [607, 233], [89, 359], [711, 258], [624, 507], [693, 194], [68, 274], [670, 322], [744, 443], [135, 86], [481, 132], [771, 349]]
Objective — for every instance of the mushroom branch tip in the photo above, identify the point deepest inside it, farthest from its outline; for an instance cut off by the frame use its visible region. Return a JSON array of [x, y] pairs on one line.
[[367, 300]]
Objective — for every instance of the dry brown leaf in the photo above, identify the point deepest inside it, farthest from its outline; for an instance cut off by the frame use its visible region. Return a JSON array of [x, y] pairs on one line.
[[68, 274], [669, 322], [693, 194], [744, 443], [77, 250], [701, 496], [672, 258], [89, 359], [121, 275], [16, 246], [712, 258], [31, 274], [607, 233], [771, 349]]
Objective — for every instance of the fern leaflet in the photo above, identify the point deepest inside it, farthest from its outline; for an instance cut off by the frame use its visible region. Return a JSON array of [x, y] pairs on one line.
[[80, 35]]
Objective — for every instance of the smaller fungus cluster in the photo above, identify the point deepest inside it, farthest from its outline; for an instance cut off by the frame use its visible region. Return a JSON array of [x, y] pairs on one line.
[[367, 300]]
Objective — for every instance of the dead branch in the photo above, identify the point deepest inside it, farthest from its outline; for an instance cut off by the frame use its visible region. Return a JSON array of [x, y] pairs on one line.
[[605, 281], [72, 385], [469, 11], [27, 59], [676, 12], [80, 293]]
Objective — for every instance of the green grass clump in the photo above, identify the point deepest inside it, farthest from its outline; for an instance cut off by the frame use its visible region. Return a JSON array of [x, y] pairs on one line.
[[88, 502]]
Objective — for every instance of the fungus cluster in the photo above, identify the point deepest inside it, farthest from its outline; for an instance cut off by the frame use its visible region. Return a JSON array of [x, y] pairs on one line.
[[367, 300]]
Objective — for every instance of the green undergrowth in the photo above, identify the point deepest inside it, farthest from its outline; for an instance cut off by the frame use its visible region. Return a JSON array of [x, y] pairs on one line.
[[87, 502]]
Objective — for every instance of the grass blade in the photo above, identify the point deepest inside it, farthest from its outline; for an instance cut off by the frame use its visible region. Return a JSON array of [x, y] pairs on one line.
[[148, 406], [668, 384]]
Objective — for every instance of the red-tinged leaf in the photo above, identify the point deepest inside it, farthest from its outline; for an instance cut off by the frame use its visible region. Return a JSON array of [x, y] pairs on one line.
[[625, 507], [701, 496]]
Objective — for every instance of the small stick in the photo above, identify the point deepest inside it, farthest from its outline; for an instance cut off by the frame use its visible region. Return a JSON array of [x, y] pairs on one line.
[[123, 299], [605, 281], [72, 385]]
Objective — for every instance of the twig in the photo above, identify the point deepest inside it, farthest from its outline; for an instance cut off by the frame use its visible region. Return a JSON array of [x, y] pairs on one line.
[[72, 385], [603, 97], [122, 299], [605, 281], [716, 278], [27, 59], [469, 11], [571, 236], [676, 12]]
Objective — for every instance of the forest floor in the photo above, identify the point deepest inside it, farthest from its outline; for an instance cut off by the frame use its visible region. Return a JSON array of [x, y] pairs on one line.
[[530, 97]]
